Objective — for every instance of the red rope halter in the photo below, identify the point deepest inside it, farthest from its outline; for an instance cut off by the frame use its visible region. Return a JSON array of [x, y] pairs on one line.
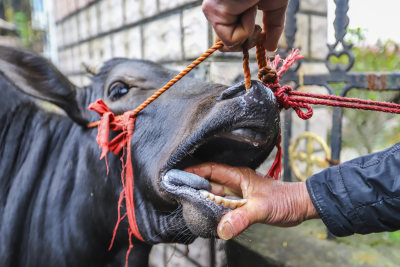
[[269, 73]]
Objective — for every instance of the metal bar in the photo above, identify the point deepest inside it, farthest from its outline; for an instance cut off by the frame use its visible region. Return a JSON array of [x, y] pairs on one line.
[[287, 134], [291, 23], [336, 134], [212, 252]]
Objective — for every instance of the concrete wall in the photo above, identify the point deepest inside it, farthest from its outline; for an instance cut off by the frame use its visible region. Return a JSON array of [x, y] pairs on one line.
[[173, 32]]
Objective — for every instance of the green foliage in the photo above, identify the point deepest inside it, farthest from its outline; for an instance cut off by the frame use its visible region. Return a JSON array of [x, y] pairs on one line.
[[395, 236], [356, 36], [384, 56], [19, 13], [24, 28], [381, 57]]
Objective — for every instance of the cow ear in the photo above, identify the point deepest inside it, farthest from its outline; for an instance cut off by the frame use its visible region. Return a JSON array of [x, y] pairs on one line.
[[36, 76]]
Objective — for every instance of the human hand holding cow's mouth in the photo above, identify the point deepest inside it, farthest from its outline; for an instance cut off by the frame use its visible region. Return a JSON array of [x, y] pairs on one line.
[[268, 201]]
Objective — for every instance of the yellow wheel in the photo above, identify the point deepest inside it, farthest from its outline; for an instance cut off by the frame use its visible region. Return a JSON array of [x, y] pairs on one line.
[[308, 156]]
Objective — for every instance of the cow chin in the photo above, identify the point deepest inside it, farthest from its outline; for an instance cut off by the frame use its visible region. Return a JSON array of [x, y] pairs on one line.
[[201, 209]]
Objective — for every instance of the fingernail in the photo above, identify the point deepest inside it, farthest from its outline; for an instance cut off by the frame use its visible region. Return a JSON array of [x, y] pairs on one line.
[[276, 49], [226, 232]]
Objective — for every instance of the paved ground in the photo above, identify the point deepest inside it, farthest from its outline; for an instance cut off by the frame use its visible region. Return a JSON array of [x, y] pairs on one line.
[[306, 245]]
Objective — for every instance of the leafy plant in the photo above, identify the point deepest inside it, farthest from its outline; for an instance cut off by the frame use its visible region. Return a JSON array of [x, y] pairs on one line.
[[19, 13], [395, 236]]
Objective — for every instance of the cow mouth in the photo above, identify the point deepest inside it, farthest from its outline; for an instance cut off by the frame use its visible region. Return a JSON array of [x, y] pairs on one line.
[[202, 210]]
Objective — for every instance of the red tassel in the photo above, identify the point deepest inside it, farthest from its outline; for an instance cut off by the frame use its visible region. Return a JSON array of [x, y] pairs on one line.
[[276, 168], [122, 141]]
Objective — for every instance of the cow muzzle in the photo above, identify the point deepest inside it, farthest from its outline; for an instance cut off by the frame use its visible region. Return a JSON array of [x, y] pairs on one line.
[[241, 130]]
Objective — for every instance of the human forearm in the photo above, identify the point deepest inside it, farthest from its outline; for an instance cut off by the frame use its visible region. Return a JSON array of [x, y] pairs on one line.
[[360, 196]]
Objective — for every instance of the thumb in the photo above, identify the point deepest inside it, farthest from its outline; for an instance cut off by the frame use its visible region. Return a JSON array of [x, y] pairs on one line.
[[234, 222]]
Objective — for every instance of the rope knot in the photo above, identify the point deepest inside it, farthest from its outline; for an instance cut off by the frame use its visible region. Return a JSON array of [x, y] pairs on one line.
[[282, 96], [129, 122], [268, 75]]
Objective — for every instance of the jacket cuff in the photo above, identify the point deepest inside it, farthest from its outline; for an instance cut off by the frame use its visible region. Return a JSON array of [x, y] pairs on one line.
[[332, 202]]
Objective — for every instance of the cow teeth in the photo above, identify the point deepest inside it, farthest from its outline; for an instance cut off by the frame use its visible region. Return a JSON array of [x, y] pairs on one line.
[[218, 199], [233, 204], [208, 195], [226, 202], [241, 202], [204, 193], [230, 203]]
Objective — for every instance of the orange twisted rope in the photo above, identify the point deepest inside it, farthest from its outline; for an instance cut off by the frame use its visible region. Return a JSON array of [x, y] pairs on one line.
[[261, 60], [261, 52], [196, 62], [246, 69]]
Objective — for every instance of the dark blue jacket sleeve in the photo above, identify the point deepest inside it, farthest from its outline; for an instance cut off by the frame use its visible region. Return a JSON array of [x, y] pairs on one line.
[[361, 195]]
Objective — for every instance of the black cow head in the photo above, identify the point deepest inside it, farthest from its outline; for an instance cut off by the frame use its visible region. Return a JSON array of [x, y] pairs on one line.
[[191, 123], [195, 121]]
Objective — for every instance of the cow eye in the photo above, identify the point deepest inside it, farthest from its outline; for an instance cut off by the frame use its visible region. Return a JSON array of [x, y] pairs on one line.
[[117, 90]]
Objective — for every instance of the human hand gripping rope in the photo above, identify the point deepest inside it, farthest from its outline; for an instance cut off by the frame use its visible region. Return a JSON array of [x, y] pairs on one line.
[[269, 73]]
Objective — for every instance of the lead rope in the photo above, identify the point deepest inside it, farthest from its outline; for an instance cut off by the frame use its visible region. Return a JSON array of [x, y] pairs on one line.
[[269, 74]]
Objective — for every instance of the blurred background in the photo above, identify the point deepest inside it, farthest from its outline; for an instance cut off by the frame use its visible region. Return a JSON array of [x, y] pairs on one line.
[[78, 33]]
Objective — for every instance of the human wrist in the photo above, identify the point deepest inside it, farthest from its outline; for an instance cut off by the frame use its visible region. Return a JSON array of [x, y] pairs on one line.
[[299, 202], [308, 208]]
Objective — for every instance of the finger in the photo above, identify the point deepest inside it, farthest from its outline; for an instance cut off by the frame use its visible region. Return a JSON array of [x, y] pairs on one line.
[[252, 40], [233, 35], [233, 223], [217, 189], [223, 190], [249, 43], [220, 173], [274, 22], [225, 48], [272, 5]]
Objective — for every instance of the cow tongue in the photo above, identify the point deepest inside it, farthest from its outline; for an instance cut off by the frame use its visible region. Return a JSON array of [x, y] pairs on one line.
[[179, 178], [182, 178]]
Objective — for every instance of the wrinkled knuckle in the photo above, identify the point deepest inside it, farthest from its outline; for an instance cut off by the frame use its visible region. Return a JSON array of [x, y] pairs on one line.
[[212, 169], [245, 179], [206, 7], [246, 171], [242, 174]]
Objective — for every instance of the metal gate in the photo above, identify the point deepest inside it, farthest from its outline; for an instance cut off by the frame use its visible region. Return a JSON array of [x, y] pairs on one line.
[[337, 74]]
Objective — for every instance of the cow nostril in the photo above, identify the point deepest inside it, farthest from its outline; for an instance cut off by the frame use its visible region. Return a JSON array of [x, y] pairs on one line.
[[240, 90], [232, 92]]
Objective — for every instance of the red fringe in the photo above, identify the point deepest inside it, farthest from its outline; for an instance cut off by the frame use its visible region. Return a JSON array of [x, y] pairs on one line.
[[122, 141], [276, 168]]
